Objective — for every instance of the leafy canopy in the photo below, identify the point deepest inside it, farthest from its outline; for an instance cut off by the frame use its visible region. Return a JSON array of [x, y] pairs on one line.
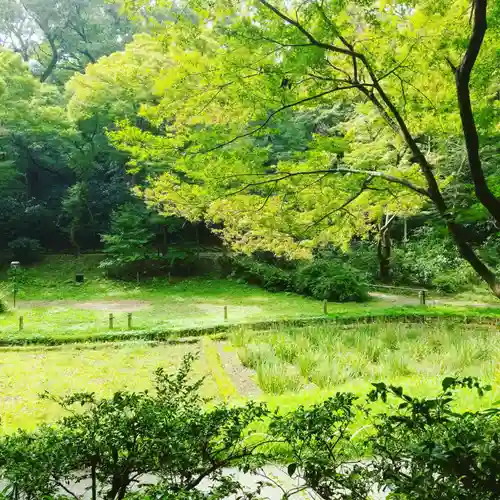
[[242, 76]]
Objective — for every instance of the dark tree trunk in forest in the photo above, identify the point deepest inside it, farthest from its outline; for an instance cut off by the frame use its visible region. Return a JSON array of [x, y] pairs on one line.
[[53, 60]]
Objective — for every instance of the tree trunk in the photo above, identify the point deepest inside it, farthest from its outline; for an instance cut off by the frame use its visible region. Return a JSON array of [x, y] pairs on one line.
[[462, 79], [72, 238], [384, 250], [53, 61], [94, 481], [468, 253]]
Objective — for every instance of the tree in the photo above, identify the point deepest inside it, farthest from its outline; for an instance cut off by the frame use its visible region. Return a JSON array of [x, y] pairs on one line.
[[131, 234], [63, 37], [36, 144], [402, 68]]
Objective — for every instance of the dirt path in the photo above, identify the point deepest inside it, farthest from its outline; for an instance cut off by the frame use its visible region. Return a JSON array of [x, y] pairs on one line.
[[404, 300], [241, 376]]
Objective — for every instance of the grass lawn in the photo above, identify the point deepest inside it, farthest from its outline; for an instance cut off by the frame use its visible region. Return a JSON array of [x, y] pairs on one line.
[[285, 366], [51, 303], [289, 366], [25, 373]]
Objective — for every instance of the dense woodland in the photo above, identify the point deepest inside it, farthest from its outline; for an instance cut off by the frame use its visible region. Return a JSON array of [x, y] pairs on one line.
[[364, 135]]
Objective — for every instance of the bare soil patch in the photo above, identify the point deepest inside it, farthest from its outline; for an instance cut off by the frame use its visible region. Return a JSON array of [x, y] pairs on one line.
[[90, 305], [401, 300]]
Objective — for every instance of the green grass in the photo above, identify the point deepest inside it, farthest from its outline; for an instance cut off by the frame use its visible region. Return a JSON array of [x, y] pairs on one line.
[[333, 357], [25, 373], [51, 303], [56, 309], [299, 355]]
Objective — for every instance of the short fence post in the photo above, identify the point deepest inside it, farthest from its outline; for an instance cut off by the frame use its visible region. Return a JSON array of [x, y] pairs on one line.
[[111, 318], [325, 307], [129, 321], [421, 296], [225, 313], [21, 323], [138, 277]]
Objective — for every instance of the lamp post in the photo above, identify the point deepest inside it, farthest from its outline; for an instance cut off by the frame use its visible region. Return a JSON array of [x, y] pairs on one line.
[[14, 265]]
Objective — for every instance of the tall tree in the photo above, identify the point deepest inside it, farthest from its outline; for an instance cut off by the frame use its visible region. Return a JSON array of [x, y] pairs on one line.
[[62, 37], [241, 65], [36, 148]]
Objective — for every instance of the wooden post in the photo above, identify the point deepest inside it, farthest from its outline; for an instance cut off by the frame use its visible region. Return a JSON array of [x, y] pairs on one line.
[[129, 321], [225, 313], [111, 318], [138, 277], [325, 307], [421, 296], [21, 323]]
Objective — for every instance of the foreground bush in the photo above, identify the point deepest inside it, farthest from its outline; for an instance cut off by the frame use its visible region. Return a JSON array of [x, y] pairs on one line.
[[421, 449], [112, 442]]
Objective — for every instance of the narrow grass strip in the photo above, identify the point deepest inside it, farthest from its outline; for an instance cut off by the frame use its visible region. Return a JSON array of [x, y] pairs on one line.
[[487, 316], [227, 389]]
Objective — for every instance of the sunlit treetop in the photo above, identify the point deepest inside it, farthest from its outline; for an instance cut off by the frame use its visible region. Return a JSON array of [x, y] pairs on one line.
[[240, 69]]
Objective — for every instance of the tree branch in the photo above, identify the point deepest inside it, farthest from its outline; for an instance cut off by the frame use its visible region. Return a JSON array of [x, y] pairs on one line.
[[344, 205], [339, 170], [67, 490], [306, 33], [270, 117]]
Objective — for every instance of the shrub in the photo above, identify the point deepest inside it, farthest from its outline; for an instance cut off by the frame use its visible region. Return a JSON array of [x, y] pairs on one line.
[[425, 449], [429, 260], [267, 276], [169, 433], [26, 250], [421, 448], [363, 256], [331, 280]]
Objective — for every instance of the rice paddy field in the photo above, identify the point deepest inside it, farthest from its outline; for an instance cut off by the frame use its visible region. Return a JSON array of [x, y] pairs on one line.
[[285, 367], [278, 348]]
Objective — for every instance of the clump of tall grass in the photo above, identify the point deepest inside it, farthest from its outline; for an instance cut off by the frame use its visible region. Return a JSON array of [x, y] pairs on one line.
[[274, 375], [329, 355]]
